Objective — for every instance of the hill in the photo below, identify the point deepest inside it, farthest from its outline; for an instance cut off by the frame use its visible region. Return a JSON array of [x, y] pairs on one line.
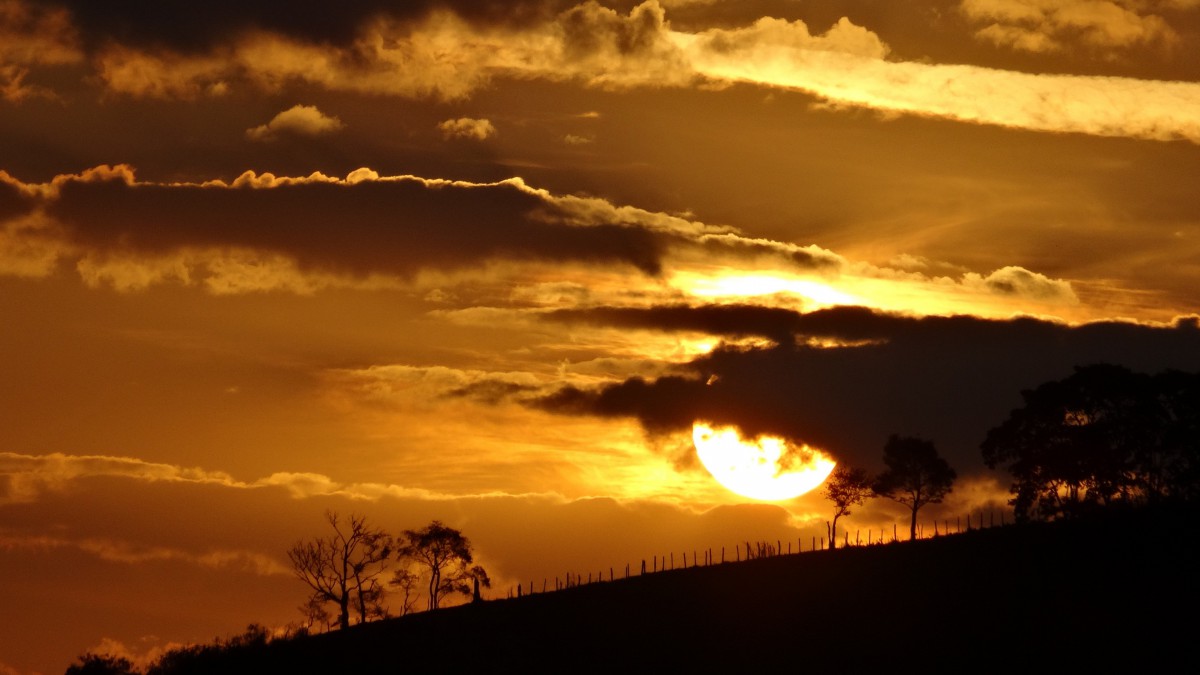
[[1111, 593]]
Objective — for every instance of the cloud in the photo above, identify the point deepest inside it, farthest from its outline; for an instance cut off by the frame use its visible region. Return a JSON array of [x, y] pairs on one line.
[[764, 37], [262, 231], [466, 127], [299, 120], [26, 478], [1103, 106], [378, 51], [1050, 25], [133, 554], [1017, 281], [441, 54], [32, 36], [849, 397]]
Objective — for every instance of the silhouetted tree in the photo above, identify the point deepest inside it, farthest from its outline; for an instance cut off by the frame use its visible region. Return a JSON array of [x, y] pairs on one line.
[[444, 555], [344, 568], [101, 664], [1103, 435], [915, 476], [406, 581], [846, 487]]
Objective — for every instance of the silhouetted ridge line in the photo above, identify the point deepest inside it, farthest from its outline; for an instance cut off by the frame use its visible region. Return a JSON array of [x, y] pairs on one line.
[[1114, 590]]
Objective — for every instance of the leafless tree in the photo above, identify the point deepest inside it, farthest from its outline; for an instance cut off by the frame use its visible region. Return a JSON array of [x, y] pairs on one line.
[[343, 568]]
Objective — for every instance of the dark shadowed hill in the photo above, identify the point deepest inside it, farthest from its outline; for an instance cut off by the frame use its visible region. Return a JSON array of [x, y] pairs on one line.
[[1100, 594]]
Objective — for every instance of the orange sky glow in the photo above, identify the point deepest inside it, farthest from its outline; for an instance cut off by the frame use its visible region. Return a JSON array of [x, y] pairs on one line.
[[503, 264]]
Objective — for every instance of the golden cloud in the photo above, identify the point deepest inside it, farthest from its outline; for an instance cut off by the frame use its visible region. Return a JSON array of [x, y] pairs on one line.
[[300, 120], [466, 127], [1048, 25], [445, 57]]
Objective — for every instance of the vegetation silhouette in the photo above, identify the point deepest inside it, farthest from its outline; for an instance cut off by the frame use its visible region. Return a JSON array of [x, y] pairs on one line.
[[846, 487], [101, 664], [343, 568], [443, 556], [915, 476], [1102, 436], [1078, 594], [1098, 573]]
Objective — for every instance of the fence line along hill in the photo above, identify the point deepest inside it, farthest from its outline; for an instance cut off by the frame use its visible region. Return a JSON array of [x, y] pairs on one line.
[[1112, 592]]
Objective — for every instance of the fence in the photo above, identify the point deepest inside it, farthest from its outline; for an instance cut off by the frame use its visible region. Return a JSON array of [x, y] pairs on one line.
[[757, 550]]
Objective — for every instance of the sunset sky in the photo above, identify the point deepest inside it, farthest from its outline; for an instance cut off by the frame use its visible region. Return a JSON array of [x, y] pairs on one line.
[[489, 262]]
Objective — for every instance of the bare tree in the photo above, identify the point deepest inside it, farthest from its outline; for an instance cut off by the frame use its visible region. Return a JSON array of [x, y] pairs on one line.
[[916, 475], [406, 581], [344, 568], [846, 487], [443, 556]]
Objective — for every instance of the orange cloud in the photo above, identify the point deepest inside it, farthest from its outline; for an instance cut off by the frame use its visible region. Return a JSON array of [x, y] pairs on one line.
[[1049, 25], [446, 57], [466, 127], [31, 37], [300, 120]]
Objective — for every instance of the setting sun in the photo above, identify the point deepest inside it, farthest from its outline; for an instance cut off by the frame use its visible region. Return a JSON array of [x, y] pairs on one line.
[[766, 467]]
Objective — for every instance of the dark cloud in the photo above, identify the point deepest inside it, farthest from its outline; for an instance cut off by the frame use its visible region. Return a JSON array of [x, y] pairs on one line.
[[491, 390], [12, 201], [949, 379], [727, 320], [191, 26], [391, 227]]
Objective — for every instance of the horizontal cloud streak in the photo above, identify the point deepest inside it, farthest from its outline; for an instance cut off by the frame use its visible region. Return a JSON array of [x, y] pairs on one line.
[[24, 478], [378, 51], [124, 552], [1103, 106]]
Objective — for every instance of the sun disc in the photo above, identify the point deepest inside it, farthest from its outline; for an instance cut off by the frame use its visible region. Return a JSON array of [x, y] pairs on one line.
[[766, 468]]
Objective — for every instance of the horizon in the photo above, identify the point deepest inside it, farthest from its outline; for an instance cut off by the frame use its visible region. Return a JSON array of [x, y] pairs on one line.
[[508, 267]]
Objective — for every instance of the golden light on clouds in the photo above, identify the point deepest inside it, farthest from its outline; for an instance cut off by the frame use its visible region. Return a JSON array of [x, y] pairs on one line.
[[501, 264], [766, 468], [737, 285]]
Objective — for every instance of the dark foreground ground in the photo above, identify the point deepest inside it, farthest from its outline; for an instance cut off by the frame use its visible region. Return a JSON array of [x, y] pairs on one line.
[[1100, 596]]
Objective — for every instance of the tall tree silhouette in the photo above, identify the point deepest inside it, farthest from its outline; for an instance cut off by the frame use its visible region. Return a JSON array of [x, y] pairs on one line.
[[915, 476], [343, 568], [444, 556], [846, 487]]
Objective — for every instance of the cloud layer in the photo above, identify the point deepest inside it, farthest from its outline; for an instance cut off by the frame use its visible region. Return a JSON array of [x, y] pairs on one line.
[[852, 377]]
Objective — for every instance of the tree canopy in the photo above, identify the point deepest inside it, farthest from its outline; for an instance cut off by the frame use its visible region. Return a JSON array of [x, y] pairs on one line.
[[1104, 435], [915, 476], [444, 558]]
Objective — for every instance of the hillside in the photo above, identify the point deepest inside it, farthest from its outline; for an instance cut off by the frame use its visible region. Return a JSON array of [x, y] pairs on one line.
[[1112, 593]]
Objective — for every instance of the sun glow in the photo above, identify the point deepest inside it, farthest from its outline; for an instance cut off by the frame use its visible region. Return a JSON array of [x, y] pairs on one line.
[[765, 468], [755, 285]]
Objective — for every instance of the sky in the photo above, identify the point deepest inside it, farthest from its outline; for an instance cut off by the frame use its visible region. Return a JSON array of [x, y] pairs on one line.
[[489, 263]]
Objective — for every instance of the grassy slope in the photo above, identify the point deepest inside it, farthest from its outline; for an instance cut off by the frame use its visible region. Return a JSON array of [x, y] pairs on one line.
[[1108, 595]]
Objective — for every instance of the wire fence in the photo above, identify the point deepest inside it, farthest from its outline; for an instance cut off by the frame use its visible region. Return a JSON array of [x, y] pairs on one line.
[[749, 550]]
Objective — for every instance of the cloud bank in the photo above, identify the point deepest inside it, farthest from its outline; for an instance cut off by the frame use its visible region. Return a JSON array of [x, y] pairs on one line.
[[846, 378]]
